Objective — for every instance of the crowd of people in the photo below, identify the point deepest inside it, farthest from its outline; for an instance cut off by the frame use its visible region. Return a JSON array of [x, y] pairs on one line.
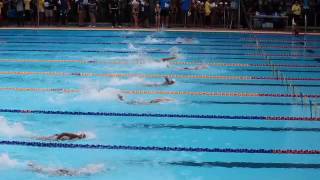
[[147, 13]]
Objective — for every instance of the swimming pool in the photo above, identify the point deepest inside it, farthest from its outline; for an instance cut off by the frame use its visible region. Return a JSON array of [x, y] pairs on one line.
[[250, 113]]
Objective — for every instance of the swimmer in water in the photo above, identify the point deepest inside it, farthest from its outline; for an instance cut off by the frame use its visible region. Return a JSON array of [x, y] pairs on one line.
[[153, 101], [199, 67], [85, 171], [63, 137], [168, 59], [167, 82], [185, 41]]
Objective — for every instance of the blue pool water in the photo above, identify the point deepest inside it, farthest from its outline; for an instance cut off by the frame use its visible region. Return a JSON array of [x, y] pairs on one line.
[[236, 64]]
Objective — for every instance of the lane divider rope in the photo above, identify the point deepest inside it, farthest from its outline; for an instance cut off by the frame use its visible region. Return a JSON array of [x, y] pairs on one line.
[[25, 73], [185, 116], [156, 148], [176, 63], [277, 40], [285, 47], [160, 52], [228, 94]]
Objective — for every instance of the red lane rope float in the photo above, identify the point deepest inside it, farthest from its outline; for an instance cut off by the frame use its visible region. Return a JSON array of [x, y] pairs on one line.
[[238, 94], [177, 63], [23, 73], [156, 148]]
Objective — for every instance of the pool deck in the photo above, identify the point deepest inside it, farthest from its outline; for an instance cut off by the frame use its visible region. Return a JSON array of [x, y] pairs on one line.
[[205, 30]]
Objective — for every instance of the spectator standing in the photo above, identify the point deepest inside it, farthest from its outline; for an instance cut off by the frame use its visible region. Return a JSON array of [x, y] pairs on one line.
[[208, 10], [27, 9], [92, 8], [41, 11], [317, 18], [234, 13], [48, 10], [296, 12], [114, 12], [157, 11], [201, 13], [173, 12], [135, 12], [1, 6], [20, 12], [146, 13], [82, 10], [165, 8], [64, 8]]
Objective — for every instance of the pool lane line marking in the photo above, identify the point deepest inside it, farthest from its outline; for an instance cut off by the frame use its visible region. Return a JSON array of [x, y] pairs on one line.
[[158, 148], [223, 94], [203, 44], [144, 62], [254, 103], [160, 115], [162, 52], [233, 39], [284, 47], [80, 74], [222, 128], [279, 40], [251, 165], [243, 47], [250, 84]]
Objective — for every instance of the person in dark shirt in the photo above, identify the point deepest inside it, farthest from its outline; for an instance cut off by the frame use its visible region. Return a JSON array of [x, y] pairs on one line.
[[92, 8], [114, 12], [82, 11], [48, 11], [64, 8]]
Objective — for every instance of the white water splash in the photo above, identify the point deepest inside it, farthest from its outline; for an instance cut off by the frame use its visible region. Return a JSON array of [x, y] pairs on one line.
[[186, 41], [132, 47], [176, 52], [7, 162], [90, 169], [128, 81], [89, 134], [97, 94], [12, 129], [150, 40]]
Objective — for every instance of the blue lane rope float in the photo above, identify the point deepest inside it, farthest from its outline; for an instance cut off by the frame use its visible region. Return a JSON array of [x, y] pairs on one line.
[[157, 148], [117, 114]]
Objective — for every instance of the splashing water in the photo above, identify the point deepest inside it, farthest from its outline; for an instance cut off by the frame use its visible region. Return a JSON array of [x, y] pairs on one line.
[[7, 162], [131, 47], [154, 65], [186, 41], [150, 40], [92, 169], [176, 52], [89, 134], [97, 94], [129, 81], [12, 130]]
